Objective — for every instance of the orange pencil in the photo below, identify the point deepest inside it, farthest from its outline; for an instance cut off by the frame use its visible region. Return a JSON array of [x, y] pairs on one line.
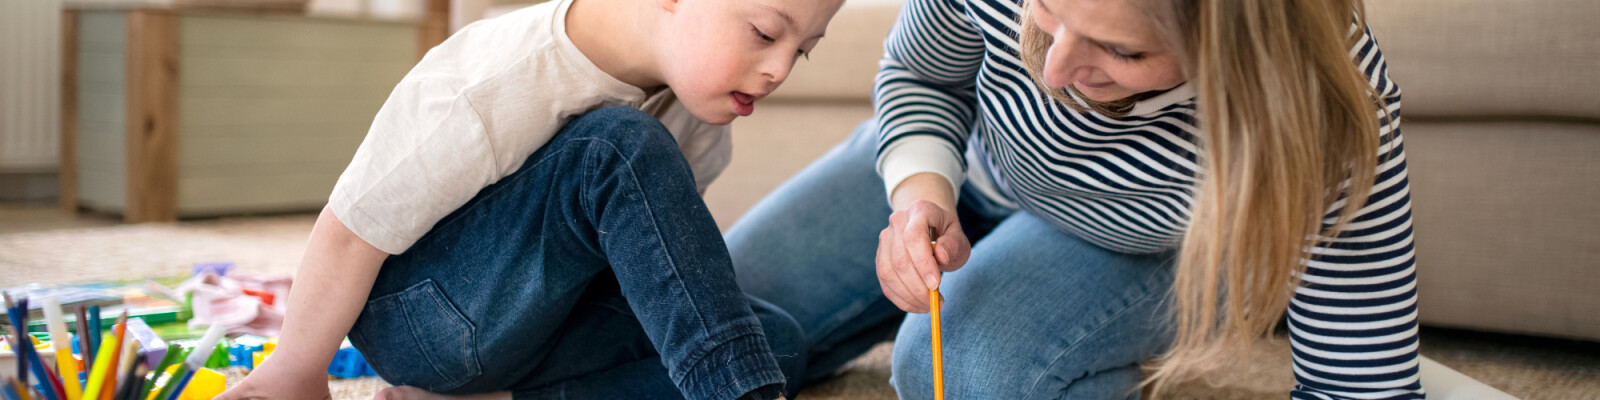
[[938, 349], [120, 333]]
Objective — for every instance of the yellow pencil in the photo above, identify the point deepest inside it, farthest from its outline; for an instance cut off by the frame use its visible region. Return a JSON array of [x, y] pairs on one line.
[[938, 349], [102, 362], [62, 343]]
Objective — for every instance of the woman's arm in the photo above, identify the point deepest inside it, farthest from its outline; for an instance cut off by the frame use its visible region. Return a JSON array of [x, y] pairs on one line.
[[1353, 321], [329, 291], [925, 97], [925, 94]]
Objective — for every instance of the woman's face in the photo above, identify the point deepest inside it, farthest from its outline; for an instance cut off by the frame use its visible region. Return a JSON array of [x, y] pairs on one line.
[[1107, 49]]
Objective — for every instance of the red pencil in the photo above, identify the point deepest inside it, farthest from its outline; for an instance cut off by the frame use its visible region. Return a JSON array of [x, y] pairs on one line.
[[84, 347]]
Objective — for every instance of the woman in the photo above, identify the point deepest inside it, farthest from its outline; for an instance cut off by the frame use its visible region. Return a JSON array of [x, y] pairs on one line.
[[1147, 186]]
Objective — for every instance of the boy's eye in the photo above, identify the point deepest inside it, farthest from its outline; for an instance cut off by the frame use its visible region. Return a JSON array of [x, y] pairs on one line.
[[802, 53], [764, 37]]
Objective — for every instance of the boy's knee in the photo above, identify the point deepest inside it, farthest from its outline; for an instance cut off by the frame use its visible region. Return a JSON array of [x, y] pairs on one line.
[[624, 127]]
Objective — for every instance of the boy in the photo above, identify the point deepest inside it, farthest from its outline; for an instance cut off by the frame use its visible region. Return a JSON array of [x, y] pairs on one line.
[[501, 231]]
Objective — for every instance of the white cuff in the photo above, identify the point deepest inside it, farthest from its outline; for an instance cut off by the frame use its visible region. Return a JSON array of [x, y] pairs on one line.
[[918, 154]]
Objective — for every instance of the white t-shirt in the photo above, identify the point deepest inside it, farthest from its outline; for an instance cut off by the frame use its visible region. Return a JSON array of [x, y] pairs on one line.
[[474, 109]]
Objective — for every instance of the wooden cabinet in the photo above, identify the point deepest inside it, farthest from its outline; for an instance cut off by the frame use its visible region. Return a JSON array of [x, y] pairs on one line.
[[177, 113]]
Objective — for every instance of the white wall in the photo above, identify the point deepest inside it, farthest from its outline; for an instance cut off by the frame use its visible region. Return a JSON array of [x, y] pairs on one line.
[[30, 85]]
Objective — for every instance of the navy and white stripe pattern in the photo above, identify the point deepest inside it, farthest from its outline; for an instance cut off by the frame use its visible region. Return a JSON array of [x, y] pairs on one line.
[[951, 73]]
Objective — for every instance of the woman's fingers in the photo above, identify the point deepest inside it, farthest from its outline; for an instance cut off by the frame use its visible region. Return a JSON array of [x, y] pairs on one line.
[[888, 280], [915, 292], [953, 248], [908, 267], [915, 237]]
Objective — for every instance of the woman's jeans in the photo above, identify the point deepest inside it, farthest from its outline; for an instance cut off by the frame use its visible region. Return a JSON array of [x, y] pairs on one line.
[[1035, 314], [593, 272]]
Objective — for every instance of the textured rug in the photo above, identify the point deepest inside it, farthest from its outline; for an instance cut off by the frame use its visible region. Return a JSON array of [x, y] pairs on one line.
[[1530, 368]]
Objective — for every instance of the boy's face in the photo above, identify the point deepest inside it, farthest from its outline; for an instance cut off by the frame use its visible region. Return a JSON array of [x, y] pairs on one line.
[[721, 56]]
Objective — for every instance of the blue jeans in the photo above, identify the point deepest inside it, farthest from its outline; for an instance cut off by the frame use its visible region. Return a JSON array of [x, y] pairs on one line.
[[594, 271], [1035, 314]]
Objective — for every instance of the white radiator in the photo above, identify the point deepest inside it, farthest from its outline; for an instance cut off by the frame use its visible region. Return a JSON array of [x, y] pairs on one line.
[[30, 85]]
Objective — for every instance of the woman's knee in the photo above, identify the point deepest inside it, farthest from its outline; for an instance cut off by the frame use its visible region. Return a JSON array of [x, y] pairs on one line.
[[996, 366], [911, 365]]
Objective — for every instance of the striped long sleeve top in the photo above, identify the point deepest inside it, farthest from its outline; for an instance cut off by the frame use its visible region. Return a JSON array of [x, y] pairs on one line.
[[952, 98]]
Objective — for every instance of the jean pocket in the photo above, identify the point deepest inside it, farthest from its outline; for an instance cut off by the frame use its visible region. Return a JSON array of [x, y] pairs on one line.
[[417, 337]]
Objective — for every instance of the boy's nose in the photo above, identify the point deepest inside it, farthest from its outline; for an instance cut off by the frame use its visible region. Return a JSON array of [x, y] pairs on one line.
[[777, 70]]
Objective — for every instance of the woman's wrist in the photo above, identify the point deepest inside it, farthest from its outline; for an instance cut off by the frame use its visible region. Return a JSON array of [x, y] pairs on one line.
[[926, 186]]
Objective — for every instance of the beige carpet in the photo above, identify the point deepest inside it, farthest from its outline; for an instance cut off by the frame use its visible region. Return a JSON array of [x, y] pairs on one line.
[[1530, 368]]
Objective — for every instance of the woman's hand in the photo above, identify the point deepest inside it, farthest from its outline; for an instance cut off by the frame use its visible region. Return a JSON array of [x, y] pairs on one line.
[[908, 267]]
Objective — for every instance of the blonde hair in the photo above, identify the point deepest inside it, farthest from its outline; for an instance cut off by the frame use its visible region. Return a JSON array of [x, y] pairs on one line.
[[1289, 127]]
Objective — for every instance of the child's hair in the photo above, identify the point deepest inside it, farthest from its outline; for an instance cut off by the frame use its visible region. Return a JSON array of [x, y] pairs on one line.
[[1289, 129]]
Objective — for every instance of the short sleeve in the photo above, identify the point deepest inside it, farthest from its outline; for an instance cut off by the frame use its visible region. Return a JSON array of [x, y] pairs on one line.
[[426, 154]]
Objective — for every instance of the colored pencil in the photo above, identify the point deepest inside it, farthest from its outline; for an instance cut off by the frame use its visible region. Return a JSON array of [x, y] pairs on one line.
[[54, 382], [28, 355], [17, 341], [180, 375], [119, 334], [195, 362], [8, 392], [94, 329], [174, 352], [21, 389], [85, 345], [130, 352], [97, 376], [177, 390], [938, 348], [62, 343], [134, 380]]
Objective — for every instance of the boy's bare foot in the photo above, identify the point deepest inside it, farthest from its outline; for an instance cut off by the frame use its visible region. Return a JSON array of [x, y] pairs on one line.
[[411, 393]]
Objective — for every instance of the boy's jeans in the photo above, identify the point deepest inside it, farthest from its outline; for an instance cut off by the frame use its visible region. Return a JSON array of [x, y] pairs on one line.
[[594, 271]]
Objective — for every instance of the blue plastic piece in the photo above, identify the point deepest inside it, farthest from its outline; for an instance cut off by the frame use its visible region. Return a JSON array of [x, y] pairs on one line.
[[242, 352], [219, 268], [349, 363], [242, 355]]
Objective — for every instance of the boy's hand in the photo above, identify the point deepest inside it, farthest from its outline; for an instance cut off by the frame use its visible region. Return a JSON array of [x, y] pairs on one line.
[[277, 378], [329, 291]]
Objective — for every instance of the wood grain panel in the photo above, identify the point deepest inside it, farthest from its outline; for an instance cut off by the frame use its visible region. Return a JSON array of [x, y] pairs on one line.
[[152, 116], [67, 175], [434, 27]]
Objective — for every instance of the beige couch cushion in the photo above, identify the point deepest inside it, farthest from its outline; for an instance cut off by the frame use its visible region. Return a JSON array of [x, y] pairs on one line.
[[1492, 58], [1506, 231], [844, 63]]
